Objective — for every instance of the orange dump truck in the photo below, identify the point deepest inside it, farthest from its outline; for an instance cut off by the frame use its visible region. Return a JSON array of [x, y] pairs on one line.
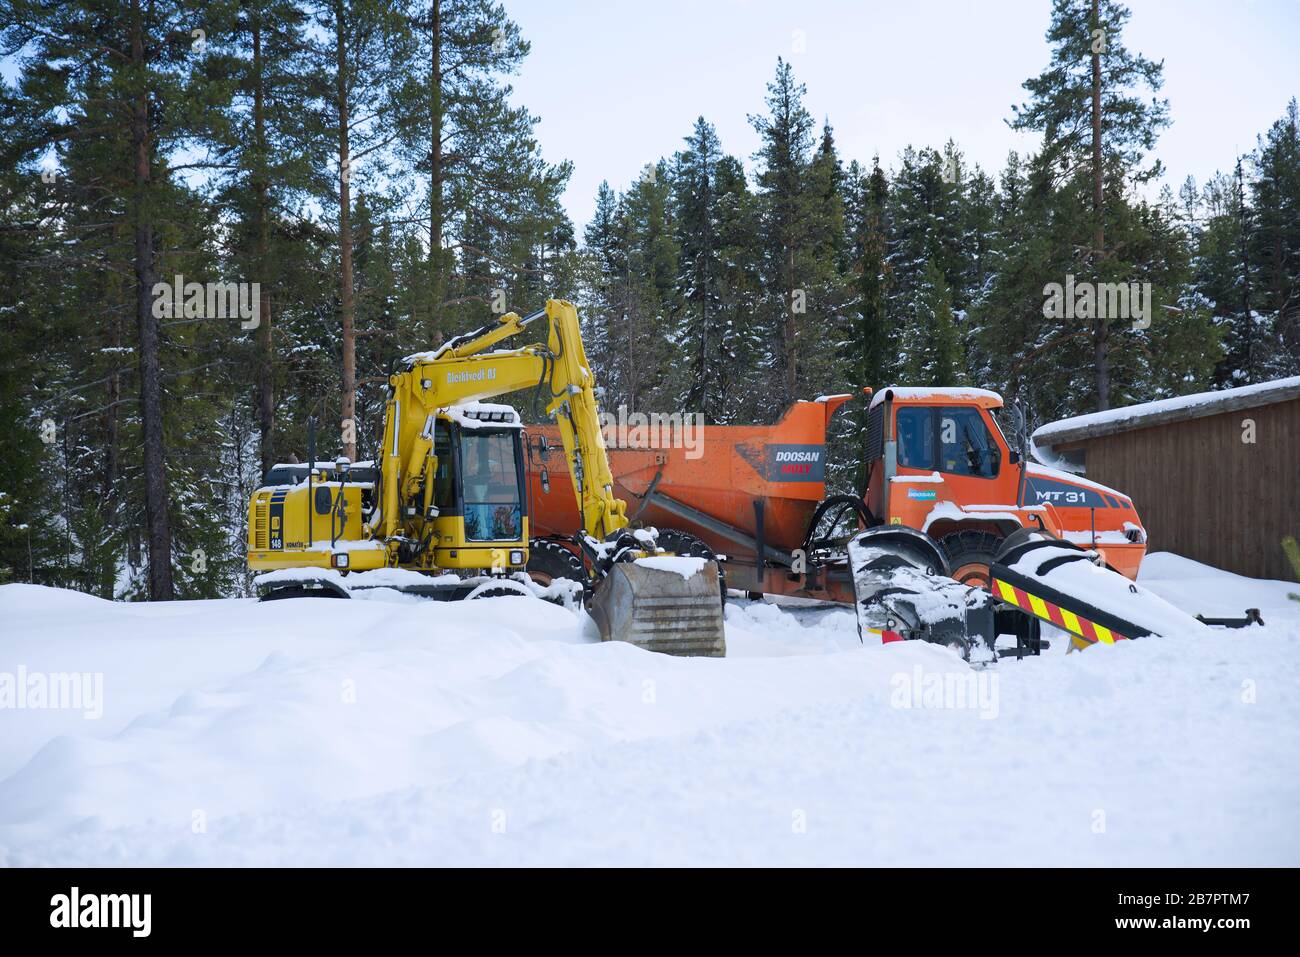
[[938, 462]]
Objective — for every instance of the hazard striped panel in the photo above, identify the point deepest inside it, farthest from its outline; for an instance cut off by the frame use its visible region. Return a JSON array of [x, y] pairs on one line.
[[1085, 631]]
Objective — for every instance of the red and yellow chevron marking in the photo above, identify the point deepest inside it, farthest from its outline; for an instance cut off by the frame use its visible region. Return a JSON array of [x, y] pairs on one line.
[[1085, 632]]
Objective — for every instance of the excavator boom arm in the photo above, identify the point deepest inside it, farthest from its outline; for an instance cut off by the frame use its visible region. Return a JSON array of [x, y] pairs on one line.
[[463, 370]]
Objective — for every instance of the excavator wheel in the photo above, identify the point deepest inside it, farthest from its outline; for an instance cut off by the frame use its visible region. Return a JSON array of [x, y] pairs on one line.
[[549, 560], [969, 555], [684, 543]]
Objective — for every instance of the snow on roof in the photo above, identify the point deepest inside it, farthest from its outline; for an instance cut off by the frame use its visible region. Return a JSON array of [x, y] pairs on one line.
[[479, 415], [935, 392], [1148, 414], [324, 464]]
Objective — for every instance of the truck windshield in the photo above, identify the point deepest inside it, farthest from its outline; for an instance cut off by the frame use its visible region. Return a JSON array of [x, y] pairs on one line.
[[490, 475]]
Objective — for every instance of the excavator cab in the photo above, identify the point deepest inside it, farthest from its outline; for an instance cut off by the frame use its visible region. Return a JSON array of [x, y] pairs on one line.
[[479, 512]]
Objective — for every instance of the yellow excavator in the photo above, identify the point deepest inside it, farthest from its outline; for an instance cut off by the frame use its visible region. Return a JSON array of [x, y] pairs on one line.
[[443, 510]]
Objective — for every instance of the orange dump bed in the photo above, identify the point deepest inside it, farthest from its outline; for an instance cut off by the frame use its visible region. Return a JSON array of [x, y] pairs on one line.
[[697, 479]]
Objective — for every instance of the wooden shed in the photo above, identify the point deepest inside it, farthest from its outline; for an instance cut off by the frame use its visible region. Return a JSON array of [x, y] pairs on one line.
[[1215, 476]]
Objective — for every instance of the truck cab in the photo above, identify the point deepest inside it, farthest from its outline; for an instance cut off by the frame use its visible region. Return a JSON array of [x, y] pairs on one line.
[[942, 464]]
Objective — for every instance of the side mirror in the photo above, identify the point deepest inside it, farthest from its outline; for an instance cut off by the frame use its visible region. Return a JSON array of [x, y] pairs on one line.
[[1014, 457]]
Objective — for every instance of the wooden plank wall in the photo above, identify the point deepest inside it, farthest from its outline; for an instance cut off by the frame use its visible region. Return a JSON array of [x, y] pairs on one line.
[[1204, 493]]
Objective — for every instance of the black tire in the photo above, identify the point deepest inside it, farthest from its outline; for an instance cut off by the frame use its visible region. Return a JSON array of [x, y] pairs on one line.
[[497, 592], [549, 560], [969, 551], [684, 543], [302, 591]]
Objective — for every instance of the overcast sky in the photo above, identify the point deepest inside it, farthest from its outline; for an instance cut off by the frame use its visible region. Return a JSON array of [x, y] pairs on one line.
[[618, 84]]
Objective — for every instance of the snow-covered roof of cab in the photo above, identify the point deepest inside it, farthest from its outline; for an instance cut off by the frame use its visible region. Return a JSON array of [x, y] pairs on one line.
[[483, 415], [1163, 411], [981, 397]]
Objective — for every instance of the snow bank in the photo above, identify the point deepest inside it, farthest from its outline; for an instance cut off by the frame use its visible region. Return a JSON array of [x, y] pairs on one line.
[[501, 731]]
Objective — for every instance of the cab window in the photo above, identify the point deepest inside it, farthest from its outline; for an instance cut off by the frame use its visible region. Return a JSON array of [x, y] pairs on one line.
[[953, 439], [444, 488], [916, 438], [491, 486]]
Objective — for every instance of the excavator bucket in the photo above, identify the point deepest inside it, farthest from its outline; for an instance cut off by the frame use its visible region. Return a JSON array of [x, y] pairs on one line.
[[668, 605]]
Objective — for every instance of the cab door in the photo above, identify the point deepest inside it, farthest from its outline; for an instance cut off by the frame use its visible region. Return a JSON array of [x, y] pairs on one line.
[[947, 453]]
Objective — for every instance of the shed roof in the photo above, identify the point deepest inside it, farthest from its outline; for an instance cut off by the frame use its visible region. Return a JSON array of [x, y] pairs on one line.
[[1163, 411]]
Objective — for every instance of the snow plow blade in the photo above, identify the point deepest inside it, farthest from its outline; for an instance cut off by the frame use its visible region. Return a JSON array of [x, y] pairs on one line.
[[659, 609], [1066, 586], [902, 591]]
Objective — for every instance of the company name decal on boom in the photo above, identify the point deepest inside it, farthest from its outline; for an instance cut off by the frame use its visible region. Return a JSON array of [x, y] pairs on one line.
[[796, 463], [478, 375]]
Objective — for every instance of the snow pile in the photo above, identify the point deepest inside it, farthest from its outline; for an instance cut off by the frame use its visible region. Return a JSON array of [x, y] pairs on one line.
[[1113, 593], [683, 565], [501, 731]]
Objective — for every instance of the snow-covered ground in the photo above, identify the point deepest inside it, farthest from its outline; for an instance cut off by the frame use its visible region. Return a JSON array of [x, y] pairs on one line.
[[395, 731]]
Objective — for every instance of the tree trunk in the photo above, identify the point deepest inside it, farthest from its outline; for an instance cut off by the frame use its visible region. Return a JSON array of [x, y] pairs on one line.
[[265, 347], [157, 521], [108, 501], [349, 404], [437, 292], [1101, 329], [1246, 312], [791, 330]]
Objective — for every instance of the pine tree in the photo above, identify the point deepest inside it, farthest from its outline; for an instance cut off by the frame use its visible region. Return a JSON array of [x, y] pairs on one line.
[[695, 202], [1096, 132], [273, 149], [934, 357], [364, 46], [488, 194], [787, 220], [1225, 276], [118, 89], [868, 348], [1275, 196]]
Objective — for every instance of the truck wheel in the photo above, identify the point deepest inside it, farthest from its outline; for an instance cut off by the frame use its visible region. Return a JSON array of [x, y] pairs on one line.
[[684, 543], [969, 555], [549, 560]]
